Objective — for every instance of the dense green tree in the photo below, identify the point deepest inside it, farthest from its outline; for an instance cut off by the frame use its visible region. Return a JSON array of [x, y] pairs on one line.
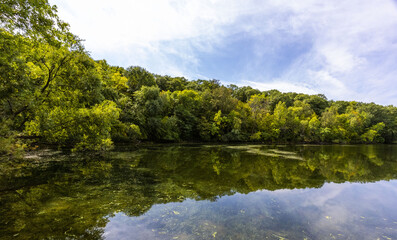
[[318, 103], [167, 83], [243, 93], [37, 20], [188, 104], [51, 91], [138, 77], [152, 113], [222, 99], [202, 85]]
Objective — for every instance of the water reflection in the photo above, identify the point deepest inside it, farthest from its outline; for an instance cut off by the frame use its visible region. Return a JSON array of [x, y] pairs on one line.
[[331, 212], [224, 192]]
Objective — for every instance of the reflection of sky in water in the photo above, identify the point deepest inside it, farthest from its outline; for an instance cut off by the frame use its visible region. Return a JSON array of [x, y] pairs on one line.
[[336, 211], [139, 194]]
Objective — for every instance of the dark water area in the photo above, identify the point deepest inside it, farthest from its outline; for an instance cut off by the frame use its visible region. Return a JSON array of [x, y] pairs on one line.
[[203, 192]]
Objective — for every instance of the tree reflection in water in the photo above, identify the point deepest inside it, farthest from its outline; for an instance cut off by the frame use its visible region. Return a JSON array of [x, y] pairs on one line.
[[63, 196]]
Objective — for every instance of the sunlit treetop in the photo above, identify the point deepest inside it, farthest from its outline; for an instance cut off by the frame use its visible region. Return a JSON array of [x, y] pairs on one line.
[[38, 20]]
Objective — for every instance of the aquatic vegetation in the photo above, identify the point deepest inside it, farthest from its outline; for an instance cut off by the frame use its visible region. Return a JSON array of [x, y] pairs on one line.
[[176, 193]]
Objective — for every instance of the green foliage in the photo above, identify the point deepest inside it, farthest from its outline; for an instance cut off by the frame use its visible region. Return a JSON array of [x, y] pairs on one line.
[[37, 20], [186, 110], [138, 77], [54, 92], [167, 83], [85, 128], [12, 147], [374, 134], [243, 93]]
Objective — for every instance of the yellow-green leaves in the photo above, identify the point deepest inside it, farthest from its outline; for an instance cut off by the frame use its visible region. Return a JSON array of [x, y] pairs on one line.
[[84, 128]]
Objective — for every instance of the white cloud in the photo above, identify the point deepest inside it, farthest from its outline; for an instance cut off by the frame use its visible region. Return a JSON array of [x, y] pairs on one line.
[[281, 86], [153, 33], [339, 59], [352, 50], [323, 81]]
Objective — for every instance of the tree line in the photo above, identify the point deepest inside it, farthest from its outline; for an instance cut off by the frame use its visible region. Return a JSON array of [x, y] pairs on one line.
[[52, 91]]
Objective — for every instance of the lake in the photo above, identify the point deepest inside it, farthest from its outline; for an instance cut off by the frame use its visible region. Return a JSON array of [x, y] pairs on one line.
[[203, 192]]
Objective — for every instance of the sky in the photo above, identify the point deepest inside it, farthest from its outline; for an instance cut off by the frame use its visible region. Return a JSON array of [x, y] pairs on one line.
[[346, 50]]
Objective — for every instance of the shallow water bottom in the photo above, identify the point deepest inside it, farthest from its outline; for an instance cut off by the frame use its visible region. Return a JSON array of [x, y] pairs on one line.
[[336, 211]]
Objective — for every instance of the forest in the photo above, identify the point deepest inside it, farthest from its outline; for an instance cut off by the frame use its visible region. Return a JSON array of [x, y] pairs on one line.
[[52, 92]]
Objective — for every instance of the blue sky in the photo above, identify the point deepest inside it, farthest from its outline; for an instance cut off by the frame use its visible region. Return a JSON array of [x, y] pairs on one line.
[[346, 50]]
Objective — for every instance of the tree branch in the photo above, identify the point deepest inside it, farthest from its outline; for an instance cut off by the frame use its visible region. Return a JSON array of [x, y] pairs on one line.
[[9, 104], [53, 76]]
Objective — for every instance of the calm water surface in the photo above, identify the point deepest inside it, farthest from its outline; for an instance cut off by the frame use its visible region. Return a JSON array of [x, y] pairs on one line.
[[203, 192]]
